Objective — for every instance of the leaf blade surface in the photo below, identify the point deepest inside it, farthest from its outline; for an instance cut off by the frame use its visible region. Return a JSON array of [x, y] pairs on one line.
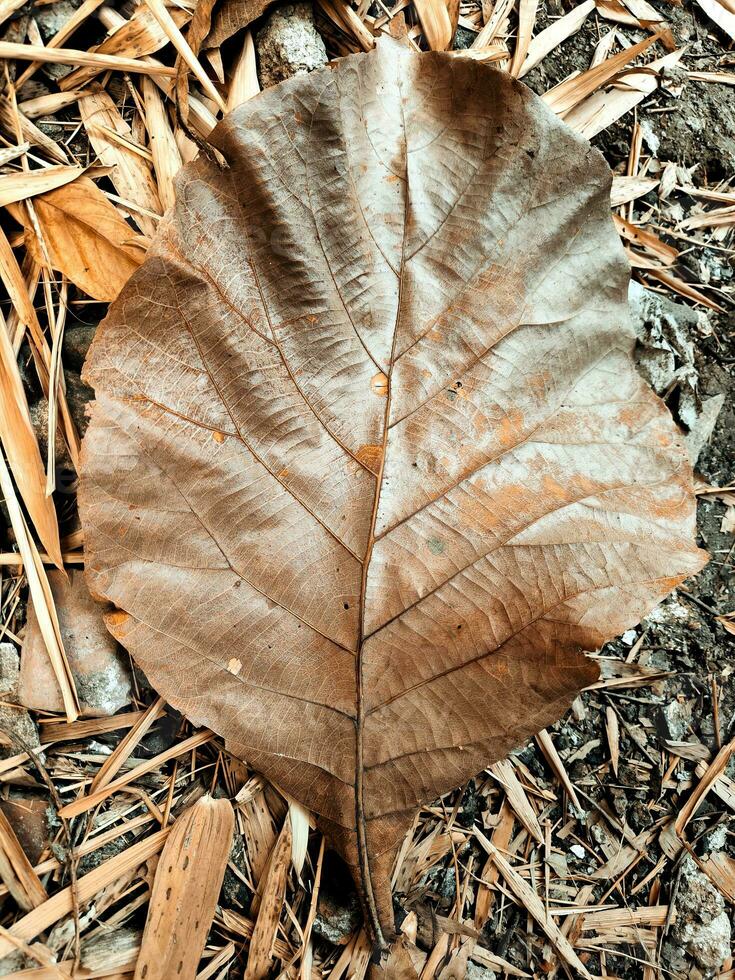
[[370, 465]]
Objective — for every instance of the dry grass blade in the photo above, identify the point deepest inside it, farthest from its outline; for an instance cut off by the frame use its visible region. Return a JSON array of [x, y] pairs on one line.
[[63, 902], [501, 839], [678, 285], [115, 145], [552, 757], [56, 731], [85, 803], [613, 737], [494, 23], [185, 890], [9, 7], [170, 28], [715, 769], [12, 119], [570, 93], [17, 871], [15, 286], [554, 34], [114, 762], [534, 906], [40, 595], [21, 448], [505, 774], [11, 51], [76, 20]]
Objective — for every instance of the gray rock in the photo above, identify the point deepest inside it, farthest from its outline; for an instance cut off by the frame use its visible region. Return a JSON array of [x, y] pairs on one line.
[[52, 17], [288, 44], [665, 358], [17, 730], [337, 917], [100, 670], [76, 343], [674, 719], [702, 925], [39, 421], [9, 672], [477, 972]]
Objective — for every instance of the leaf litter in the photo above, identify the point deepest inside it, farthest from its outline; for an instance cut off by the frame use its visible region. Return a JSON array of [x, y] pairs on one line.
[[588, 846]]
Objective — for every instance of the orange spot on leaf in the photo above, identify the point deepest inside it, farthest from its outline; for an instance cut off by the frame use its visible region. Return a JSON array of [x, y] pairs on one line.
[[379, 384]]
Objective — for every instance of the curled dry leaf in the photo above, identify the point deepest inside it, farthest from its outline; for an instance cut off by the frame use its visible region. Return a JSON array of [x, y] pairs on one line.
[[370, 465]]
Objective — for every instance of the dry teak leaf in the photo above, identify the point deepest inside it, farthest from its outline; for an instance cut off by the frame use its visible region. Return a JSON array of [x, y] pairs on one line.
[[370, 464], [185, 890]]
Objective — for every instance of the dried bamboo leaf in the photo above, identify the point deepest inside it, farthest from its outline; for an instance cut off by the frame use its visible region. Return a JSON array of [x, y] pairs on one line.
[[17, 871], [131, 174], [368, 422], [185, 890], [526, 20], [269, 912], [166, 157], [135, 38], [603, 108], [569, 93], [27, 183], [553, 35], [86, 238], [244, 81], [19, 440], [63, 902], [717, 11], [435, 23]]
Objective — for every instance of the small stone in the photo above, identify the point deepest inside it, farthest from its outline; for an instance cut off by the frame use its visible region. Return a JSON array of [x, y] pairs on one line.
[[52, 17], [39, 421], [76, 344], [577, 850], [9, 672], [100, 671], [78, 396], [674, 719], [337, 917], [28, 816], [17, 730], [702, 926], [288, 44], [664, 355], [477, 972]]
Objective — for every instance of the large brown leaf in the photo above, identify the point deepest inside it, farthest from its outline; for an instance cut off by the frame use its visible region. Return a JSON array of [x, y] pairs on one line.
[[370, 465]]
